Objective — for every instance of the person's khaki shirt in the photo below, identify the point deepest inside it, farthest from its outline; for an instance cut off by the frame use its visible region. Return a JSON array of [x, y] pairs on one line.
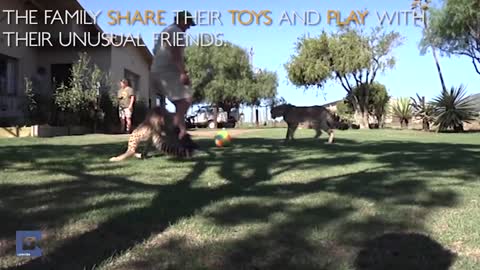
[[124, 95]]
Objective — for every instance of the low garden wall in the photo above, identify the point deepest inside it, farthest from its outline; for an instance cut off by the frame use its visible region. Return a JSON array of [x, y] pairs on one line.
[[11, 132], [51, 131], [43, 131]]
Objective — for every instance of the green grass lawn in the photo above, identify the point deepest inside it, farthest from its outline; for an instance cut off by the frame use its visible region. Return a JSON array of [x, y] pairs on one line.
[[374, 200]]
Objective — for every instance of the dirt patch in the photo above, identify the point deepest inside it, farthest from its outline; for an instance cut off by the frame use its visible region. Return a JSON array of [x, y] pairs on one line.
[[213, 132]]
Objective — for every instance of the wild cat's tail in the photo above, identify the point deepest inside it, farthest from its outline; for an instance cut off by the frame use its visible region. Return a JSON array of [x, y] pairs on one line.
[[174, 147]]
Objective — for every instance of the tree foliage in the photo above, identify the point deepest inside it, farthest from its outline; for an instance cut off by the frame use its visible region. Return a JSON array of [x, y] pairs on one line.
[[345, 110], [349, 56], [78, 97], [223, 75], [455, 29], [377, 102], [275, 101], [264, 87], [31, 103]]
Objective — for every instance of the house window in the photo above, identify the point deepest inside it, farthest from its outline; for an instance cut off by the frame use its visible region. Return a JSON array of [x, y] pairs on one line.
[[133, 78], [8, 75], [61, 73]]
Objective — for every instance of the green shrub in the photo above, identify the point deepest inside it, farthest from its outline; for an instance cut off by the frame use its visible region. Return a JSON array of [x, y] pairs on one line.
[[402, 109], [80, 100], [453, 108], [423, 110]]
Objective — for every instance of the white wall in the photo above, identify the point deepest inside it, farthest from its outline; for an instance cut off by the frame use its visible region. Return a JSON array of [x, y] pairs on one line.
[[131, 58], [49, 56], [26, 56]]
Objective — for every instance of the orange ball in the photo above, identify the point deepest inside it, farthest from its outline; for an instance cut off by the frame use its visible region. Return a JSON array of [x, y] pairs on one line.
[[223, 139]]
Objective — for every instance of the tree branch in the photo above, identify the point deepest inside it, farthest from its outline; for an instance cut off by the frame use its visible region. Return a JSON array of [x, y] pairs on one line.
[[475, 59], [348, 83], [346, 87], [375, 69], [357, 80], [475, 65]]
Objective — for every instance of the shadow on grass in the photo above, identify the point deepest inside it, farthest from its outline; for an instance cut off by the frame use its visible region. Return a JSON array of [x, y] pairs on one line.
[[399, 251], [286, 244]]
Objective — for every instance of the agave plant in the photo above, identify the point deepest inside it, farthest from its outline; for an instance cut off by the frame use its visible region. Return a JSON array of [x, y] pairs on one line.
[[423, 110], [402, 109], [453, 108]]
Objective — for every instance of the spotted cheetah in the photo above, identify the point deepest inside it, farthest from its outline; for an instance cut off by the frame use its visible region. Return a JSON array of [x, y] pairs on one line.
[[158, 130]]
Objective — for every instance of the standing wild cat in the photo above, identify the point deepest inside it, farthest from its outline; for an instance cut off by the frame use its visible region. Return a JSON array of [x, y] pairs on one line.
[[319, 117]]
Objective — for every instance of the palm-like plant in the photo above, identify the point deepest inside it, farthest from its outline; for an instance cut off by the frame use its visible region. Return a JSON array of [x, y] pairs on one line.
[[452, 108], [423, 110], [402, 109]]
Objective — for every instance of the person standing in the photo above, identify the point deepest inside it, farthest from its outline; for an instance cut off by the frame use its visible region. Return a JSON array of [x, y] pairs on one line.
[[126, 101], [169, 75]]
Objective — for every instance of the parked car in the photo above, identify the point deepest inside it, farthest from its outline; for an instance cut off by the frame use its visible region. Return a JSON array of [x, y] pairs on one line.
[[203, 117]]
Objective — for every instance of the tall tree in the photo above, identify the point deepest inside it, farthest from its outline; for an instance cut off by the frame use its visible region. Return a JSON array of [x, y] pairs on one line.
[[263, 88], [223, 76], [455, 29], [349, 56], [421, 7]]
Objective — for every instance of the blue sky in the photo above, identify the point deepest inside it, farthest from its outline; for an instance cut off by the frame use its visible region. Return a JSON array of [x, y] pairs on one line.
[[273, 45]]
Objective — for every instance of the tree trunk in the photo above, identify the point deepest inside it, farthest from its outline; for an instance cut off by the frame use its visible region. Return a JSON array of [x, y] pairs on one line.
[[257, 124], [266, 115], [215, 115], [228, 109], [252, 114], [360, 115], [273, 120], [365, 117], [361, 119], [437, 63], [425, 124], [458, 128], [380, 120]]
